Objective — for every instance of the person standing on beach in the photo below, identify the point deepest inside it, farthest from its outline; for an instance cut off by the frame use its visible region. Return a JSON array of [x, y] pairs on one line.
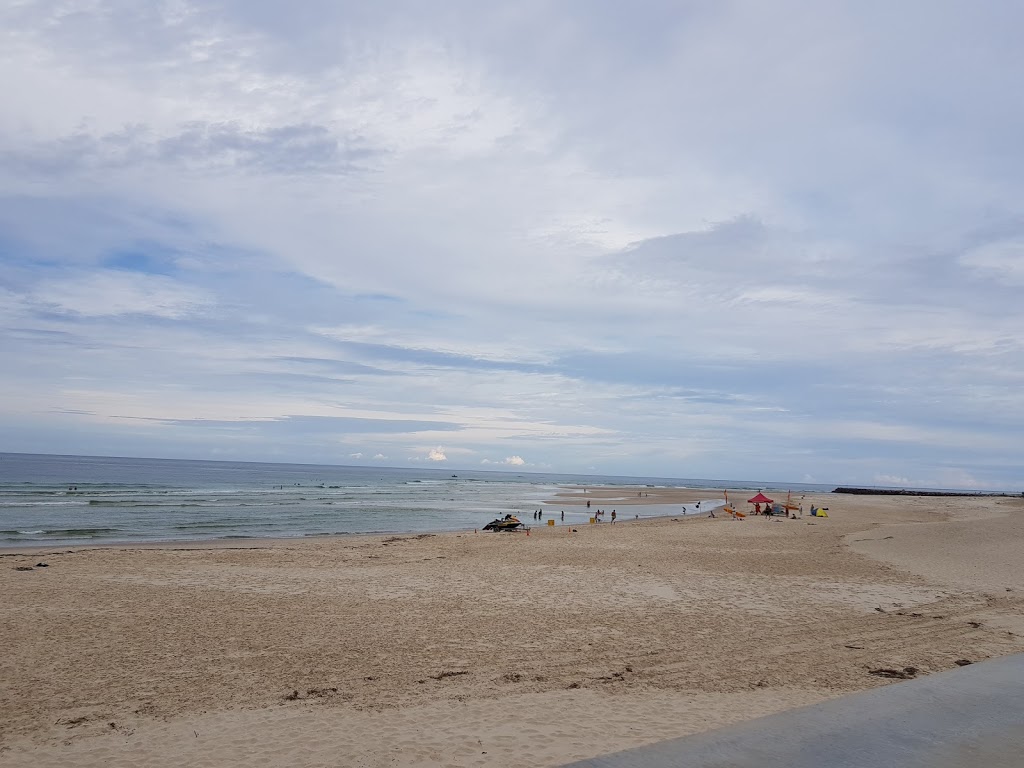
[[613, 517], [563, 514]]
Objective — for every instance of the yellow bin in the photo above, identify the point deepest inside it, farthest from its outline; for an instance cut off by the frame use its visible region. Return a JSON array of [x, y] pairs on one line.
[[551, 522]]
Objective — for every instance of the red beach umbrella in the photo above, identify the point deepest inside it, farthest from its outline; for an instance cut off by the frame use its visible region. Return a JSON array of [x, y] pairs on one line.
[[760, 499]]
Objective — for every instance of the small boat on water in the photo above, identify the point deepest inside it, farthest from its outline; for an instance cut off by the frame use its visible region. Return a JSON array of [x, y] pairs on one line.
[[506, 523]]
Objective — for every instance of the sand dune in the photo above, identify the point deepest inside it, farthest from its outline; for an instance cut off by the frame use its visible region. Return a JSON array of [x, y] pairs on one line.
[[491, 649]]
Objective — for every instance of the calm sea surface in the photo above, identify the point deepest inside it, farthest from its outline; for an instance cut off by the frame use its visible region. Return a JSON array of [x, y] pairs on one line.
[[88, 499]]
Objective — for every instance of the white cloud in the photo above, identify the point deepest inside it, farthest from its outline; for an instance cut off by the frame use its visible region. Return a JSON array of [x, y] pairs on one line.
[[355, 455], [511, 461], [379, 457], [436, 454], [1002, 261], [110, 293], [952, 477], [892, 480]]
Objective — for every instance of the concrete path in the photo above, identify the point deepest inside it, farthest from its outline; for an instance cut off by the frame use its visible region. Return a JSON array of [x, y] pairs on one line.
[[970, 717]]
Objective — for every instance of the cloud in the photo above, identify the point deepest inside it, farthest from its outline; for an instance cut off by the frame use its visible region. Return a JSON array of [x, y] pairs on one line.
[[379, 457], [285, 149], [436, 454], [892, 481], [1001, 261], [511, 461], [355, 455], [110, 293]]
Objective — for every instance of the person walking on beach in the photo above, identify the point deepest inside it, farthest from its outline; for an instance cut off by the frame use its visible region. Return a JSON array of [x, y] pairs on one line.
[[563, 514], [613, 517]]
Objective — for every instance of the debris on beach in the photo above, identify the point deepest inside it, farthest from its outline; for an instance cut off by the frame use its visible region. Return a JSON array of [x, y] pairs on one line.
[[24, 568], [963, 662], [73, 722], [907, 673], [393, 539], [311, 693], [449, 673]]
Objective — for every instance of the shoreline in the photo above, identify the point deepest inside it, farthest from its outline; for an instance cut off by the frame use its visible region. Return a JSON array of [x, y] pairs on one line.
[[564, 496], [255, 542], [537, 650]]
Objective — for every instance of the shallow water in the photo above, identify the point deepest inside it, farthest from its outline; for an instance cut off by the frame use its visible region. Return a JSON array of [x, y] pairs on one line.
[[85, 499]]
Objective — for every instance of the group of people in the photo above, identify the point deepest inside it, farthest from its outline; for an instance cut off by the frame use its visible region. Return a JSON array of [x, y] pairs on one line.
[[539, 513], [600, 514], [769, 511]]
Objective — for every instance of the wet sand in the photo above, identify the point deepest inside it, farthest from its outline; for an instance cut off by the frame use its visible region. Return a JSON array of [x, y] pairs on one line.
[[492, 649]]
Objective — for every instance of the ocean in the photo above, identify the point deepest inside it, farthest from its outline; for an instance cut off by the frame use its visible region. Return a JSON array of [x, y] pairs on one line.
[[74, 500]]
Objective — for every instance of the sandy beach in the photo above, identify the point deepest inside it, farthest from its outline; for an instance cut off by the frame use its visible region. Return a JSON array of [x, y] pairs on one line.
[[492, 649]]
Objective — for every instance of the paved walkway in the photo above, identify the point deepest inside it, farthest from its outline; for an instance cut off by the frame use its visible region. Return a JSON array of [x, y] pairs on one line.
[[970, 717]]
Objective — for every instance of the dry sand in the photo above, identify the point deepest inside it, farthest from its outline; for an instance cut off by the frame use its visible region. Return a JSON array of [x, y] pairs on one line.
[[491, 649]]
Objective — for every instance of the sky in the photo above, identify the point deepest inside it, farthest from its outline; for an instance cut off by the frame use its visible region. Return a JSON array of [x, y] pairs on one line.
[[720, 239]]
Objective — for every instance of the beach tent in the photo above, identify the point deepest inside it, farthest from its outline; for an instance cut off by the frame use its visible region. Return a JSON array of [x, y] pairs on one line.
[[760, 499]]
